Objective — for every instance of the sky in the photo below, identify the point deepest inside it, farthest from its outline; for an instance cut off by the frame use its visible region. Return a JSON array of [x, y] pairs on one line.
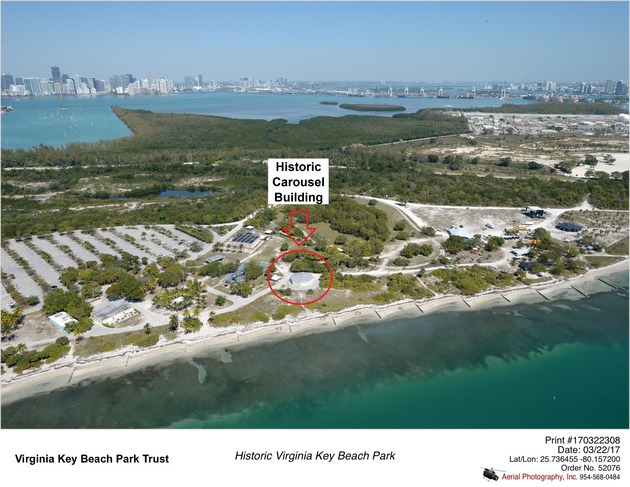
[[336, 41]]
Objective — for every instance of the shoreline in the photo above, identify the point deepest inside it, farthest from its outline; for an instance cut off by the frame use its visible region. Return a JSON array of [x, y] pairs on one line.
[[70, 371]]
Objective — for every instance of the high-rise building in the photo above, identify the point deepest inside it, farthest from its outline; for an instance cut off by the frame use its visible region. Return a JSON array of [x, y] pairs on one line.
[[56, 74], [33, 86], [121, 81], [47, 86], [78, 87], [164, 85], [7, 81], [621, 88], [68, 87], [118, 81], [193, 81], [99, 85]]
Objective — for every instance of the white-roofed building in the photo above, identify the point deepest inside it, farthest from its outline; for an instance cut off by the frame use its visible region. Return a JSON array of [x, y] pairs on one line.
[[522, 252], [304, 280], [460, 232], [110, 313], [61, 320]]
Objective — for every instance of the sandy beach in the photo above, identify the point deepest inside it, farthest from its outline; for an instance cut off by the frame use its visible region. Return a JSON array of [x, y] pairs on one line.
[[69, 371]]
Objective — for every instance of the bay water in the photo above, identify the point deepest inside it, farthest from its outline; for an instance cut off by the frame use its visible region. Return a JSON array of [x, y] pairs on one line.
[[58, 121], [537, 364]]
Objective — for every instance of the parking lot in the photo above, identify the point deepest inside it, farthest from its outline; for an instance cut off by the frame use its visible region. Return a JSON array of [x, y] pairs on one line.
[[148, 242]]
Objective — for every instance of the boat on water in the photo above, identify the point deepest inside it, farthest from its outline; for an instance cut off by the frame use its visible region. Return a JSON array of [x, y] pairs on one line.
[[64, 107], [7, 109]]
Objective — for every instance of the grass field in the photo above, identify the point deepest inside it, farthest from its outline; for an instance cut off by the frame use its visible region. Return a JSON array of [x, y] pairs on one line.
[[109, 343]]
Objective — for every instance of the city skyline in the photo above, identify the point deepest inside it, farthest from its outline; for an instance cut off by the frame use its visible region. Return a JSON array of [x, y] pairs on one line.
[[346, 41]]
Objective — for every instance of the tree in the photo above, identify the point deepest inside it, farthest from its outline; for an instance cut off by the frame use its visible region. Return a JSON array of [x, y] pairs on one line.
[[428, 231], [565, 166], [401, 262], [69, 301], [538, 268], [90, 290], [220, 300], [253, 270], [69, 277], [546, 242], [79, 327], [340, 240], [172, 275], [400, 225], [590, 160], [213, 269], [10, 321], [128, 288], [54, 302], [173, 323], [455, 244], [191, 324], [196, 288], [242, 289], [412, 249], [533, 165], [494, 243]]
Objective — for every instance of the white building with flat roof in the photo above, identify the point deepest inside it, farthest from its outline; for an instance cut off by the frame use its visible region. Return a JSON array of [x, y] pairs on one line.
[[61, 320], [110, 313]]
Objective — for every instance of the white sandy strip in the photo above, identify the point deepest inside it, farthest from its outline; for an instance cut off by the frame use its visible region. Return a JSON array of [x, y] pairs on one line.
[[70, 371]]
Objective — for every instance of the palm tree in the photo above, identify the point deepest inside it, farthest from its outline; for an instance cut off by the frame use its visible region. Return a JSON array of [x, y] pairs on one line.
[[173, 323], [20, 348]]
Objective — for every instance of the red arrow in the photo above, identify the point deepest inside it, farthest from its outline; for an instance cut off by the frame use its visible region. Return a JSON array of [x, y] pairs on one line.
[[289, 228]]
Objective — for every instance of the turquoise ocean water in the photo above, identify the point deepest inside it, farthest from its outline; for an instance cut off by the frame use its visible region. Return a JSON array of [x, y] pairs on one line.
[[58, 121], [544, 364]]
